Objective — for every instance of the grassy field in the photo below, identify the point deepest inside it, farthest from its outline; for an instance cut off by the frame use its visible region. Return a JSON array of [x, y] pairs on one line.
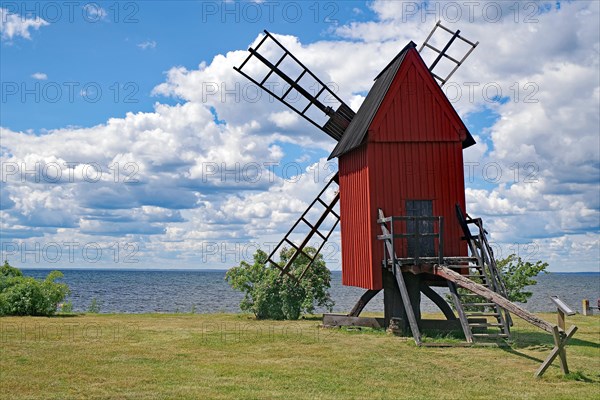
[[187, 356]]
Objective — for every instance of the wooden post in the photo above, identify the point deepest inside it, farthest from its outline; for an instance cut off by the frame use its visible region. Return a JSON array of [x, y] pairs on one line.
[[562, 354], [394, 306], [409, 311], [561, 319], [392, 301], [585, 307], [464, 322], [413, 286]]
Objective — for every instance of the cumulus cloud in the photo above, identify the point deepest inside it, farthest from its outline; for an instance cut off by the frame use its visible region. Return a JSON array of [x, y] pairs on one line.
[[14, 25]]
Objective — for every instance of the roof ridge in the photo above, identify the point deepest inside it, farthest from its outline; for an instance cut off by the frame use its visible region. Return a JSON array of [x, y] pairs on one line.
[[409, 45], [357, 130]]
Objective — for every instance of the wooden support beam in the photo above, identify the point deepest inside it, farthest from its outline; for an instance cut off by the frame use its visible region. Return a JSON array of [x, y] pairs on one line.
[[438, 301], [560, 337], [406, 300], [492, 296], [561, 319], [562, 354], [412, 314], [392, 301], [464, 322], [362, 302], [558, 350]]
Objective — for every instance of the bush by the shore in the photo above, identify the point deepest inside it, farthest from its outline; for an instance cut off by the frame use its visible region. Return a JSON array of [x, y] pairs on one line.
[[22, 295], [268, 295]]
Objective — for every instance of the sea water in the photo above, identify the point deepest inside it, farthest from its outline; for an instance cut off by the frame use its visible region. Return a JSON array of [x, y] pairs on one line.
[[168, 291]]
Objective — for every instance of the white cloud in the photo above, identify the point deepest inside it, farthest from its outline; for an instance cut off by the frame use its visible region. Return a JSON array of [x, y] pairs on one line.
[[14, 25], [284, 119], [303, 158], [148, 44], [40, 76]]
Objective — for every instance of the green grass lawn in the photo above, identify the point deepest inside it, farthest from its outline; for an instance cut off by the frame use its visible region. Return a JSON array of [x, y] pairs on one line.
[[193, 356]]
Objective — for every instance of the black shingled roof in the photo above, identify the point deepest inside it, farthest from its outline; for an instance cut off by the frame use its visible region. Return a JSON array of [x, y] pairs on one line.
[[356, 132]]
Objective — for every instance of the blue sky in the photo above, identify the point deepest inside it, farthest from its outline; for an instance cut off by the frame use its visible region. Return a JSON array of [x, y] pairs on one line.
[[80, 47], [137, 73]]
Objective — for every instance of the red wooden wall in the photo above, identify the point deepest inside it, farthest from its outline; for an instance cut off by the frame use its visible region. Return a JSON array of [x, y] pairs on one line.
[[356, 221], [413, 152]]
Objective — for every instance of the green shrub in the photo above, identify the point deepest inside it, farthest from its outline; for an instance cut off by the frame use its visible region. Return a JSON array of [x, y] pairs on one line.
[[94, 306], [21, 295], [6, 271], [270, 296], [66, 308], [518, 274]]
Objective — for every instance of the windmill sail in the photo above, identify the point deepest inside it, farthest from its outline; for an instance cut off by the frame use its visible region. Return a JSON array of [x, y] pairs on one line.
[[321, 219], [278, 72], [443, 53]]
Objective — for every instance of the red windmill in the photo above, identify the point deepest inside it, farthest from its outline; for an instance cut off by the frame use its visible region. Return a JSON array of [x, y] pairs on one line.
[[401, 185]]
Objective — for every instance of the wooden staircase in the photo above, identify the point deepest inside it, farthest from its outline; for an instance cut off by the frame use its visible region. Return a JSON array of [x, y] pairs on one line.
[[485, 272], [481, 318]]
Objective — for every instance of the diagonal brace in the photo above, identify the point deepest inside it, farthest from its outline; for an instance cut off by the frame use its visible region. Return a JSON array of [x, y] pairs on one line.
[[560, 341]]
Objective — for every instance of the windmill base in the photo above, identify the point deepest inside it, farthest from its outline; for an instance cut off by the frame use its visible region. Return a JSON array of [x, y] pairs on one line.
[[393, 306], [438, 325], [394, 311]]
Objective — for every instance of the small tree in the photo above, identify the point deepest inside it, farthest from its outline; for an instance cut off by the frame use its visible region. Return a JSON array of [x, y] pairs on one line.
[[270, 296], [518, 274], [6, 271], [22, 295]]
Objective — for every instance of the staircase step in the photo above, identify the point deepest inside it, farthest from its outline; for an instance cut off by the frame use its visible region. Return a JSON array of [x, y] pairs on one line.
[[478, 304], [486, 325], [481, 314], [488, 335]]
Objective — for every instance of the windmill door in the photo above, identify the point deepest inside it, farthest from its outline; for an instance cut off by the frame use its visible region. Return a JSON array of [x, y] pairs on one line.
[[425, 245]]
